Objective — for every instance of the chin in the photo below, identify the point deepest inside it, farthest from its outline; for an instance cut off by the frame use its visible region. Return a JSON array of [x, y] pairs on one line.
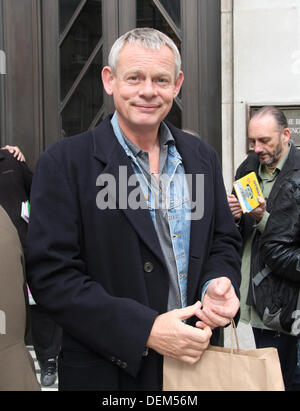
[[147, 122], [269, 162]]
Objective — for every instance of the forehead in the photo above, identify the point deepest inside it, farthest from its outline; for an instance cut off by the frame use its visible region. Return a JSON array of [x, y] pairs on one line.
[[263, 126], [134, 57]]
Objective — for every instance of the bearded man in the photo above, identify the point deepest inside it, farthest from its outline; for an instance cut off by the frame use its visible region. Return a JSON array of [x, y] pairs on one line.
[[274, 158]]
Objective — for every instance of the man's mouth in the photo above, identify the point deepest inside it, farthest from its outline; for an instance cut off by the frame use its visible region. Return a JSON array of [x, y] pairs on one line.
[[147, 107]]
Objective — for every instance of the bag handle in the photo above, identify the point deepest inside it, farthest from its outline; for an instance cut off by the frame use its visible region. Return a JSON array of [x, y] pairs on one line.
[[234, 330]]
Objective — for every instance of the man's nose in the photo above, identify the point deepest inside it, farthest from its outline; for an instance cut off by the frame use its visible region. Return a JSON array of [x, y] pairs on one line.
[[147, 88], [258, 148]]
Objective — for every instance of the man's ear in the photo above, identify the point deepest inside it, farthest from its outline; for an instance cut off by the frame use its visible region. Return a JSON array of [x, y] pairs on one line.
[[107, 80], [287, 134], [178, 84]]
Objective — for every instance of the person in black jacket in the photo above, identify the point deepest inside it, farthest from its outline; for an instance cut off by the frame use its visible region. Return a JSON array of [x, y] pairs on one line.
[[15, 186], [274, 159], [15, 183], [280, 247]]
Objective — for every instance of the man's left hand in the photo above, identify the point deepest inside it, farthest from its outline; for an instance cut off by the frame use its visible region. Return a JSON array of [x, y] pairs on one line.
[[259, 211], [220, 304]]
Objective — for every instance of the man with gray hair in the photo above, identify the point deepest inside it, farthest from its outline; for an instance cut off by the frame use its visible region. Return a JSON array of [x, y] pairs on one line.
[[122, 271]]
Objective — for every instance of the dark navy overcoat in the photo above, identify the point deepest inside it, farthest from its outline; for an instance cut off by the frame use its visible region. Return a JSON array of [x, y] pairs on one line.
[[101, 273]]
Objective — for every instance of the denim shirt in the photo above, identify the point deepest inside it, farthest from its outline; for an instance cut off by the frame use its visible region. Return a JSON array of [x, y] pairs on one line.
[[175, 209]]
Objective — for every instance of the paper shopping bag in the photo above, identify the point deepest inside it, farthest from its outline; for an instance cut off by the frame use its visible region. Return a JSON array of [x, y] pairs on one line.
[[226, 369]]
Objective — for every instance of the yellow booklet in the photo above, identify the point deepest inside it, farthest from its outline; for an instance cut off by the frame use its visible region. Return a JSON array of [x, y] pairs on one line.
[[247, 190]]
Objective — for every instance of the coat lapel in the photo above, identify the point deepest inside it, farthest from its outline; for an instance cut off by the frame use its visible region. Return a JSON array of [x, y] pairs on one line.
[[193, 164], [116, 164]]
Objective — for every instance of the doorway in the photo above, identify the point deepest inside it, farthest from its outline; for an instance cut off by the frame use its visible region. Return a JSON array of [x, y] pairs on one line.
[[58, 51]]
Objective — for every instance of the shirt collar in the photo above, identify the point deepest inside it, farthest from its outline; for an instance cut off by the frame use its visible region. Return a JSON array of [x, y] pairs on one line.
[[165, 137]]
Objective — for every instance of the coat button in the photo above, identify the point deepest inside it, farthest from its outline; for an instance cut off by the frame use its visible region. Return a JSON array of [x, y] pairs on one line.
[[148, 267]]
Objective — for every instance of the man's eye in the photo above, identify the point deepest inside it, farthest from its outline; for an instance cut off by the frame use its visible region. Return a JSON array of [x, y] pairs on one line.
[[162, 81], [133, 79]]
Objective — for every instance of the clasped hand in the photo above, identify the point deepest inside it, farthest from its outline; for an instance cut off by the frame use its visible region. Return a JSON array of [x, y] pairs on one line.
[[237, 212], [172, 337]]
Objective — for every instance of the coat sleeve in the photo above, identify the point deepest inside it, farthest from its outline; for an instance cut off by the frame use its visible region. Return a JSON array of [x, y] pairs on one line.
[[280, 247], [114, 328]]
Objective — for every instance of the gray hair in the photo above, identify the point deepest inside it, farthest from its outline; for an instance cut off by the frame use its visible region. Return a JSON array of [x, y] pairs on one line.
[[148, 38]]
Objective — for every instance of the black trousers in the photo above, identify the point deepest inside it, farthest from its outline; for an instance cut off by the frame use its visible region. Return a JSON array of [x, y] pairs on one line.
[[46, 335], [287, 351]]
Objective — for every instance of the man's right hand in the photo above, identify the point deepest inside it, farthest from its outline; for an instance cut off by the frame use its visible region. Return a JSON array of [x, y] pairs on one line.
[[234, 206], [171, 337]]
